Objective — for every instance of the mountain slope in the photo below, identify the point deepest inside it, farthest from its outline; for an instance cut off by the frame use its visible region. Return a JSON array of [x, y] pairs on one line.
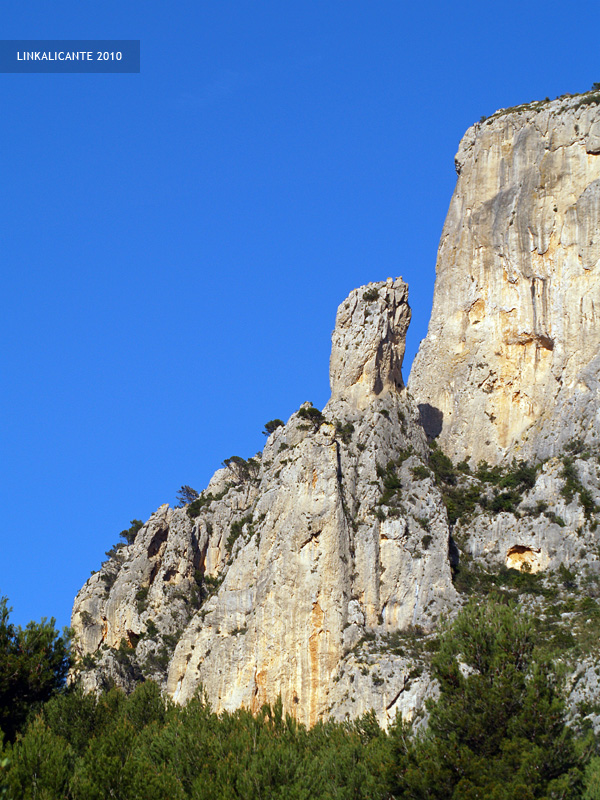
[[265, 585]]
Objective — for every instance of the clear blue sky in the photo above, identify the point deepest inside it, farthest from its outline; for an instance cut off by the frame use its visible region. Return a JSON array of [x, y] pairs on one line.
[[175, 244]]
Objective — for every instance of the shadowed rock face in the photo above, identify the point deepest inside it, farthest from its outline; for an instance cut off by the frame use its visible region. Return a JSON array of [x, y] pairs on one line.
[[290, 561], [510, 362]]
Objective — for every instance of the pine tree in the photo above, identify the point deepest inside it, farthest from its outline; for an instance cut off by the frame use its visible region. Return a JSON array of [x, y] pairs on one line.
[[185, 496], [498, 729], [34, 662], [41, 764]]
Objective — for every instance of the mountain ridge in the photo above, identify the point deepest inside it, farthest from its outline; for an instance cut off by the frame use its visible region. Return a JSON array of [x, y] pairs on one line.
[[318, 570]]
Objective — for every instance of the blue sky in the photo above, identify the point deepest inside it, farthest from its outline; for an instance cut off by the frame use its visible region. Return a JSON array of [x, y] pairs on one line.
[[175, 243]]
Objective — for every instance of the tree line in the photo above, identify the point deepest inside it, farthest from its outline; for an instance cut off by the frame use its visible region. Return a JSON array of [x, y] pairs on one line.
[[496, 732]]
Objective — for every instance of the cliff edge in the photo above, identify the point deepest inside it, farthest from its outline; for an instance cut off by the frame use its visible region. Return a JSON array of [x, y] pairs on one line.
[[511, 360]]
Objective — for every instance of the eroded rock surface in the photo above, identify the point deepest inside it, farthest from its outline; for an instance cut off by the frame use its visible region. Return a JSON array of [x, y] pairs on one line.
[[316, 569], [335, 532], [545, 530], [510, 363]]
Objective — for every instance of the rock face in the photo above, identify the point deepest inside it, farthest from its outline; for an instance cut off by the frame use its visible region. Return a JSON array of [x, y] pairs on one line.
[[368, 344], [315, 570], [267, 584], [545, 530], [510, 363]]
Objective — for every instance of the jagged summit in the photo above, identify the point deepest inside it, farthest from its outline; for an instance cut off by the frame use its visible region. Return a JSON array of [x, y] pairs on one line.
[[368, 343]]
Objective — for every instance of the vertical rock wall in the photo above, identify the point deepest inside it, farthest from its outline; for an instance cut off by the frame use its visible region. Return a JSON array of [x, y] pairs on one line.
[[510, 362]]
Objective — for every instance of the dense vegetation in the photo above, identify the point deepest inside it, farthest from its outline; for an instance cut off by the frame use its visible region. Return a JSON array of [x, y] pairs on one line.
[[33, 665], [497, 731]]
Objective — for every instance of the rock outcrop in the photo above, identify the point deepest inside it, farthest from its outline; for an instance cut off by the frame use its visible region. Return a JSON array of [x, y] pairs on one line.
[[511, 361], [316, 570], [268, 583], [546, 527]]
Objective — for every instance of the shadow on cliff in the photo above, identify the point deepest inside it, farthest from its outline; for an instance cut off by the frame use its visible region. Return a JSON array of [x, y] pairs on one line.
[[432, 419]]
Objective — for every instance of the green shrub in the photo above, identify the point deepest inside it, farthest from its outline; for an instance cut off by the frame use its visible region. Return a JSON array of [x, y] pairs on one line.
[[109, 577], [312, 415], [185, 496], [569, 473], [505, 501], [520, 475], [236, 530], [242, 469], [212, 582], [391, 484], [587, 501], [554, 518], [487, 474], [194, 509], [566, 577], [272, 425], [469, 577], [141, 597], [574, 486], [344, 431], [461, 502], [89, 661], [114, 550], [370, 295], [589, 99], [589, 606], [130, 534], [442, 466]]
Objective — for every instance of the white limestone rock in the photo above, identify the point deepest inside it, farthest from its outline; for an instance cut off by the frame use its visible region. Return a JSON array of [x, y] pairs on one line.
[[546, 532], [297, 556], [509, 365]]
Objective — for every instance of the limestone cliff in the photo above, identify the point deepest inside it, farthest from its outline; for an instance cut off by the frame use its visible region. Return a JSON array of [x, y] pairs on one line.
[[268, 583], [311, 570], [510, 364]]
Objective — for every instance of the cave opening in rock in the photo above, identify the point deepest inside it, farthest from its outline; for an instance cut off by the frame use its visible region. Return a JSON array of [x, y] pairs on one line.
[[523, 558]]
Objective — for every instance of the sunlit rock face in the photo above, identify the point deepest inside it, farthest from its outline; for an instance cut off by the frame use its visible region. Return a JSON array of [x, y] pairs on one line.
[[525, 559], [368, 342], [511, 360], [292, 559]]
